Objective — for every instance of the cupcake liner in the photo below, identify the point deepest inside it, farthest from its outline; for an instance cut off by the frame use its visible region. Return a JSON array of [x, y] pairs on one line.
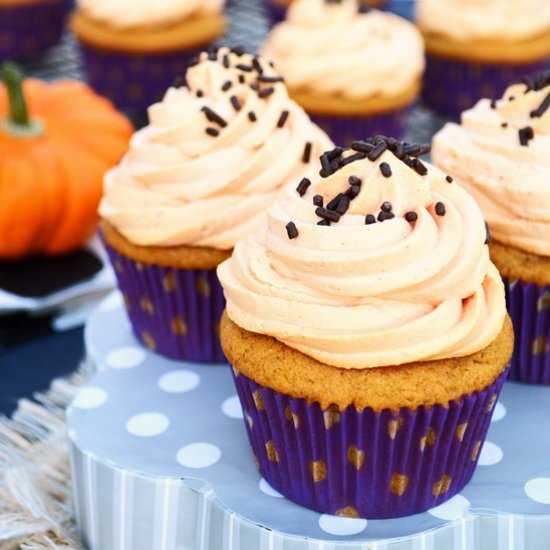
[[133, 82], [275, 11], [529, 308], [344, 130], [452, 86], [363, 463], [174, 312], [28, 29]]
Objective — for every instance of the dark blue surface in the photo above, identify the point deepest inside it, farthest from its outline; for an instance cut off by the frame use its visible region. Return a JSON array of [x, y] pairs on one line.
[[31, 366]]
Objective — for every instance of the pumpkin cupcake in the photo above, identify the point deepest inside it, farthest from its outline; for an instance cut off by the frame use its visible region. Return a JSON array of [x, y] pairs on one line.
[[28, 27], [368, 333], [276, 9], [475, 49], [355, 72], [57, 140], [500, 153], [133, 50], [216, 154]]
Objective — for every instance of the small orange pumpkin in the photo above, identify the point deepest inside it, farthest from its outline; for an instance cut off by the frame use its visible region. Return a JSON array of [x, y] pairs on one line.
[[56, 142]]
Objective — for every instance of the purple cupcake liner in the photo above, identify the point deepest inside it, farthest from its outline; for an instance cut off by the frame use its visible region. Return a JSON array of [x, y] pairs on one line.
[[174, 312], [343, 130], [529, 308], [363, 463], [28, 29], [452, 86], [275, 11], [133, 82]]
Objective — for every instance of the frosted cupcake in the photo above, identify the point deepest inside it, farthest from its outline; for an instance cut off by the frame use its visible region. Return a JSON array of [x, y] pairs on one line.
[[28, 27], [368, 333], [277, 8], [355, 72], [500, 153], [133, 49], [216, 154], [476, 48]]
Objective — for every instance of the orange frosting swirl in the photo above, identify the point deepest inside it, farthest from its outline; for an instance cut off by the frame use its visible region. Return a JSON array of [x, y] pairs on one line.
[[357, 295], [215, 155], [510, 180]]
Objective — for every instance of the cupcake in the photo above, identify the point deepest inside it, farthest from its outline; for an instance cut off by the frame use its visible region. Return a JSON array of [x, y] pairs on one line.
[[133, 49], [367, 330], [276, 9], [474, 49], [500, 154], [28, 27], [215, 155], [355, 71]]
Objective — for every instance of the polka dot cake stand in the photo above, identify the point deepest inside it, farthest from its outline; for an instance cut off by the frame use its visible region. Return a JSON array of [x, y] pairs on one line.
[[161, 461]]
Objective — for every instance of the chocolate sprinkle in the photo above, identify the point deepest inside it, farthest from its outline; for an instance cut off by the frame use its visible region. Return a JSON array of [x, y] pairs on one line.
[[212, 132], [244, 67], [212, 116], [353, 191], [318, 200], [302, 186], [199, 93], [542, 108], [386, 206], [354, 180], [226, 85], [487, 234], [270, 79], [385, 168], [369, 219], [383, 216], [440, 209], [493, 104], [265, 92], [282, 119], [411, 217], [419, 167], [377, 150], [225, 61], [242, 79], [334, 202], [291, 230], [525, 135], [252, 116], [324, 222], [257, 65], [306, 157], [235, 102], [343, 205], [504, 125], [326, 214], [449, 179]]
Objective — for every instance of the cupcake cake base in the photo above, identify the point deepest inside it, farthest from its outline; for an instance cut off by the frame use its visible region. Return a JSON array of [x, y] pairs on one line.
[[176, 453]]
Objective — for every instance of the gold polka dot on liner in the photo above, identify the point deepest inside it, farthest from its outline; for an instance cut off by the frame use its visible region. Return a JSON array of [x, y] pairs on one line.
[[146, 305], [398, 484], [347, 512], [331, 416], [203, 288], [540, 345], [291, 417], [356, 457], [148, 340], [179, 326], [429, 439], [169, 282], [271, 450], [461, 430], [442, 486], [394, 425], [318, 469], [258, 400]]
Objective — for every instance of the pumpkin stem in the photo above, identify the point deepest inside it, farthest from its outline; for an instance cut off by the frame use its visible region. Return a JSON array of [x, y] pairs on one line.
[[18, 123], [13, 80]]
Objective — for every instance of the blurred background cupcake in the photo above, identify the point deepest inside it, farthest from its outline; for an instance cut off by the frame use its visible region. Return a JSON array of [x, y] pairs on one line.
[[133, 50], [276, 9], [369, 336], [196, 180], [355, 71], [500, 153], [28, 27], [475, 48]]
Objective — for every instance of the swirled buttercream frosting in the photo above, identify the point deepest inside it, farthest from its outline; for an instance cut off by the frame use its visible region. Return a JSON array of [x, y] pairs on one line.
[[338, 48], [484, 19], [500, 153], [147, 13], [380, 261], [217, 152]]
